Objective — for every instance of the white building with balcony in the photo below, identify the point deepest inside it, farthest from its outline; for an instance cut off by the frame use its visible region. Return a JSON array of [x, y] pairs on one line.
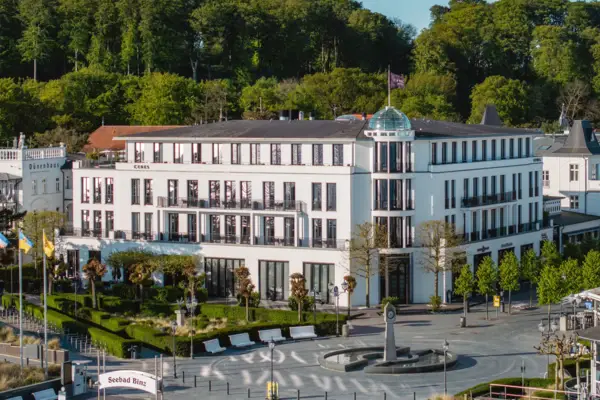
[[32, 179], [286, 196]]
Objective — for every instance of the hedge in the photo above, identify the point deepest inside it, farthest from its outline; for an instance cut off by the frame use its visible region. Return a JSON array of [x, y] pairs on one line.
[[114, 344], [109, 322], [570, 365], [265, 314], [483, 389]]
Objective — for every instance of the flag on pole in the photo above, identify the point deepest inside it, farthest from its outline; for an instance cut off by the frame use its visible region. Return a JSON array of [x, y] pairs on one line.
[[24, 243], [396, 81], [48, 246], [4, 243]]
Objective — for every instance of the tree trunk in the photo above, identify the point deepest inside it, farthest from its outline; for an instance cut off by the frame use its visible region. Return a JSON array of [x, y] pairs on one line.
[[368, 281], [509, 302], [556, 374], [549, 309], [465, 305], [436, 282], [530, 294], [577, 373], [561, 375], [49, 286], [141, 293], [93, 293], [487, 312], [299, 311], [247, 310], [35, 69]]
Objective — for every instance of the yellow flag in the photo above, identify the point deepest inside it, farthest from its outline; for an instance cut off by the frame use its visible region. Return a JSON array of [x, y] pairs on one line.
[[24, 243], [48, 246]]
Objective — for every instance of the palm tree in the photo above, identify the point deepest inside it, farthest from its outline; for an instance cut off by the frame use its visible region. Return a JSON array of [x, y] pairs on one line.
[[94, 270]]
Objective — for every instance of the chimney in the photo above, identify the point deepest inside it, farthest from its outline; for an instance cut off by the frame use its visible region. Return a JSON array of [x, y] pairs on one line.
[[312, 116], [301, 115], [364, 116]]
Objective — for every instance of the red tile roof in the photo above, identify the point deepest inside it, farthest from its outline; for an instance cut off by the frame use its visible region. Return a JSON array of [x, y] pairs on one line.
[[102, 138]]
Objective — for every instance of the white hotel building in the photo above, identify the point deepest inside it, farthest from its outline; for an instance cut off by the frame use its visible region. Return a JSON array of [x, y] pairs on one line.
[[285, 196]]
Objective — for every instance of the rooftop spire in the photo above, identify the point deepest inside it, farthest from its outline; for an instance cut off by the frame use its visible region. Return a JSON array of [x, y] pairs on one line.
[[490, 116]]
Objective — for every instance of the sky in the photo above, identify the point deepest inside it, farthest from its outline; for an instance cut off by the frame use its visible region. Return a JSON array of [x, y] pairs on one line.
[[414, 12]]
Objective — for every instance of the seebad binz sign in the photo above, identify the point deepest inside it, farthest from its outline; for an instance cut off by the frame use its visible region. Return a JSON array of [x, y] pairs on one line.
[[129, 379]]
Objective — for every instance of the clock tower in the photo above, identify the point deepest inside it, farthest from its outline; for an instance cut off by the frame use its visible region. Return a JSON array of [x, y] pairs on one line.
[[389, 316]]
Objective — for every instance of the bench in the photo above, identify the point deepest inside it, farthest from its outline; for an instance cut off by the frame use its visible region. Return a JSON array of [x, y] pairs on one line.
[[16, 398], [212, 346], [271, 334], [241, 340], [303, 332], [48, 394]]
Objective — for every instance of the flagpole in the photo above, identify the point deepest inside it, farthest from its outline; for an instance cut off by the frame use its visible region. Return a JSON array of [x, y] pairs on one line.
[[389, 86], [45, 309], [20, 298]]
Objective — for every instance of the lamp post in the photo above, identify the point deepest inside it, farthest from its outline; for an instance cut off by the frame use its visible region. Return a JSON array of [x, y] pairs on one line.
[[577, 351], [314, 293], [191, 306], [445, 346], [173, 330], [336, 294], [546, 332], [272, 347]]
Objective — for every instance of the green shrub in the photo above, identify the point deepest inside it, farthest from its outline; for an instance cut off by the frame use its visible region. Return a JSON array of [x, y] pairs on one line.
[[264, 314], [153, 308], [391, 299], [123, 291], [435, 302], [150, 336], [548, 395], [253, 301], [9, 300], [570, 365], [307, 305], [114, 344], [62, 286]]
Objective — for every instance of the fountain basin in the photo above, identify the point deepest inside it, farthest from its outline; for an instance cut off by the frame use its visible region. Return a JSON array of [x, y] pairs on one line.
[[345, 360]]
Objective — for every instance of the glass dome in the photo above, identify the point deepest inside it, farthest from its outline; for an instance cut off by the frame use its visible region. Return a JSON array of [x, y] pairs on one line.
[[389, 119]]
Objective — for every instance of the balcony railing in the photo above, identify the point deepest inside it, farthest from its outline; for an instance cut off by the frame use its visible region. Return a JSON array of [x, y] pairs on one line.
[[189, 202], [488, 200], [503, 231]]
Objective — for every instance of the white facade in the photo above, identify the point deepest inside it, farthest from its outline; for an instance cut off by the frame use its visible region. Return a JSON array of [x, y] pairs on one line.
[[396, 175], [35, 180]]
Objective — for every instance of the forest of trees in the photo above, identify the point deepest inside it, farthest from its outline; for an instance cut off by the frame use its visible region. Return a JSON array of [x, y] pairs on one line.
[[68, 65]]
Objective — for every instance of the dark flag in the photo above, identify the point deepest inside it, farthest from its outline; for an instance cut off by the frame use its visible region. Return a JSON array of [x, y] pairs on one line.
[[396, 81]]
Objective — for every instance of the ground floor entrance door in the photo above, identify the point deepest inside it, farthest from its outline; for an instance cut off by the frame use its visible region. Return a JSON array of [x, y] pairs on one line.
[[274, 279], [219, 279], [318, 277], [398, 267]]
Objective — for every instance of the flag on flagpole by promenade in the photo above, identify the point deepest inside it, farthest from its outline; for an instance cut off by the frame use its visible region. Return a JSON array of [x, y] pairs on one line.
[[4, 243], [48, 246], [24, 243], [396, 81]]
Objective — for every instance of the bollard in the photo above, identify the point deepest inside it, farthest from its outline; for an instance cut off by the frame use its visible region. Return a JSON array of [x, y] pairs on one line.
[[354, 395], [209, 386], [195, 381], [248, 392], [298, 395], [227, 388], [183, 376], [27, 361], [325, 395], [384, 396], [414, 395]]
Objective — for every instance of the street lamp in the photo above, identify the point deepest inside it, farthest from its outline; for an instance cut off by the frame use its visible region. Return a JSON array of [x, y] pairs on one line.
[[336, 294], [173, 330], [548, 331], [272, 347], [345, 289], [314, 294], [445, 346], [191, 306]]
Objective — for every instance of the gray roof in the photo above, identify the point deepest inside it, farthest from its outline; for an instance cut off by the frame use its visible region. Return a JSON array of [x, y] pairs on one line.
[[8, 177], [491, 117], [553, 197], [321, 129], [580, 141], [572, 218], [592, 334]]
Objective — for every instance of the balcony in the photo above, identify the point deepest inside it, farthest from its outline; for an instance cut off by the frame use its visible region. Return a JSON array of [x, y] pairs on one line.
[[24, 154], [213, 204], [505, 231], [488, 200]]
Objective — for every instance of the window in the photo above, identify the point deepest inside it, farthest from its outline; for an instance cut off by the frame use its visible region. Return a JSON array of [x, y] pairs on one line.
[[289, 195], [236, 153], [173, 226], [527, 147], [217, 153], [514, 187], [177, 153], [530, 183], [395, 232], [331, 233], [97, 190], [110, 191], [317, 202], [381, 194], [274, 279], [475, 187], [230, 229], [269, 230], [409, 199], [245, 229], [196, 153], [135, 191], [434, 153], [230, 194], [215, 228], [447, 195], [275, 154], [296, 154], [44, 187], [246, 194], [503, 149], [493, 149], [453, 193], [511, 148], [484, 150], [520, 186], [395, 194], [464, 152], [573, 172], [192, 192], [288, 231], [317, 232], [57, 185], [338, 154], [537, 183], [98, 223], [574, 202], [269, 195], [317, 150], [85, 221], [148, 192], [254, 153], [444, 153], [520, 148], [395, 157], [546, 179], [331, 197], [173, 192], [220, 279], [158, 153], [214, 190], [139, 152], [474, 151], [67, 182], [135, 224], [110, 221], [466, 188], [148, 225], [381, 157], [493, 188], [484, 186], [454, 153], [85, 190]]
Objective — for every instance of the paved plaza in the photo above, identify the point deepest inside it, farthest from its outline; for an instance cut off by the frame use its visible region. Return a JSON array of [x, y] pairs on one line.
[[487, 350]]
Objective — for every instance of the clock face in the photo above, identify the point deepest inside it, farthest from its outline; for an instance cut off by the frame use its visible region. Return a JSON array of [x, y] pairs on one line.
[[391, 314]]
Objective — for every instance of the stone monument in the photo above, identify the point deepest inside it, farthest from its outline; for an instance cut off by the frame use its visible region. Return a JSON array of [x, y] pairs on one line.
[[389, 316]]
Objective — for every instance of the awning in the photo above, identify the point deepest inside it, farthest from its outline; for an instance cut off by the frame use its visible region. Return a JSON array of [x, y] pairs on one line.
[[592, 334]]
